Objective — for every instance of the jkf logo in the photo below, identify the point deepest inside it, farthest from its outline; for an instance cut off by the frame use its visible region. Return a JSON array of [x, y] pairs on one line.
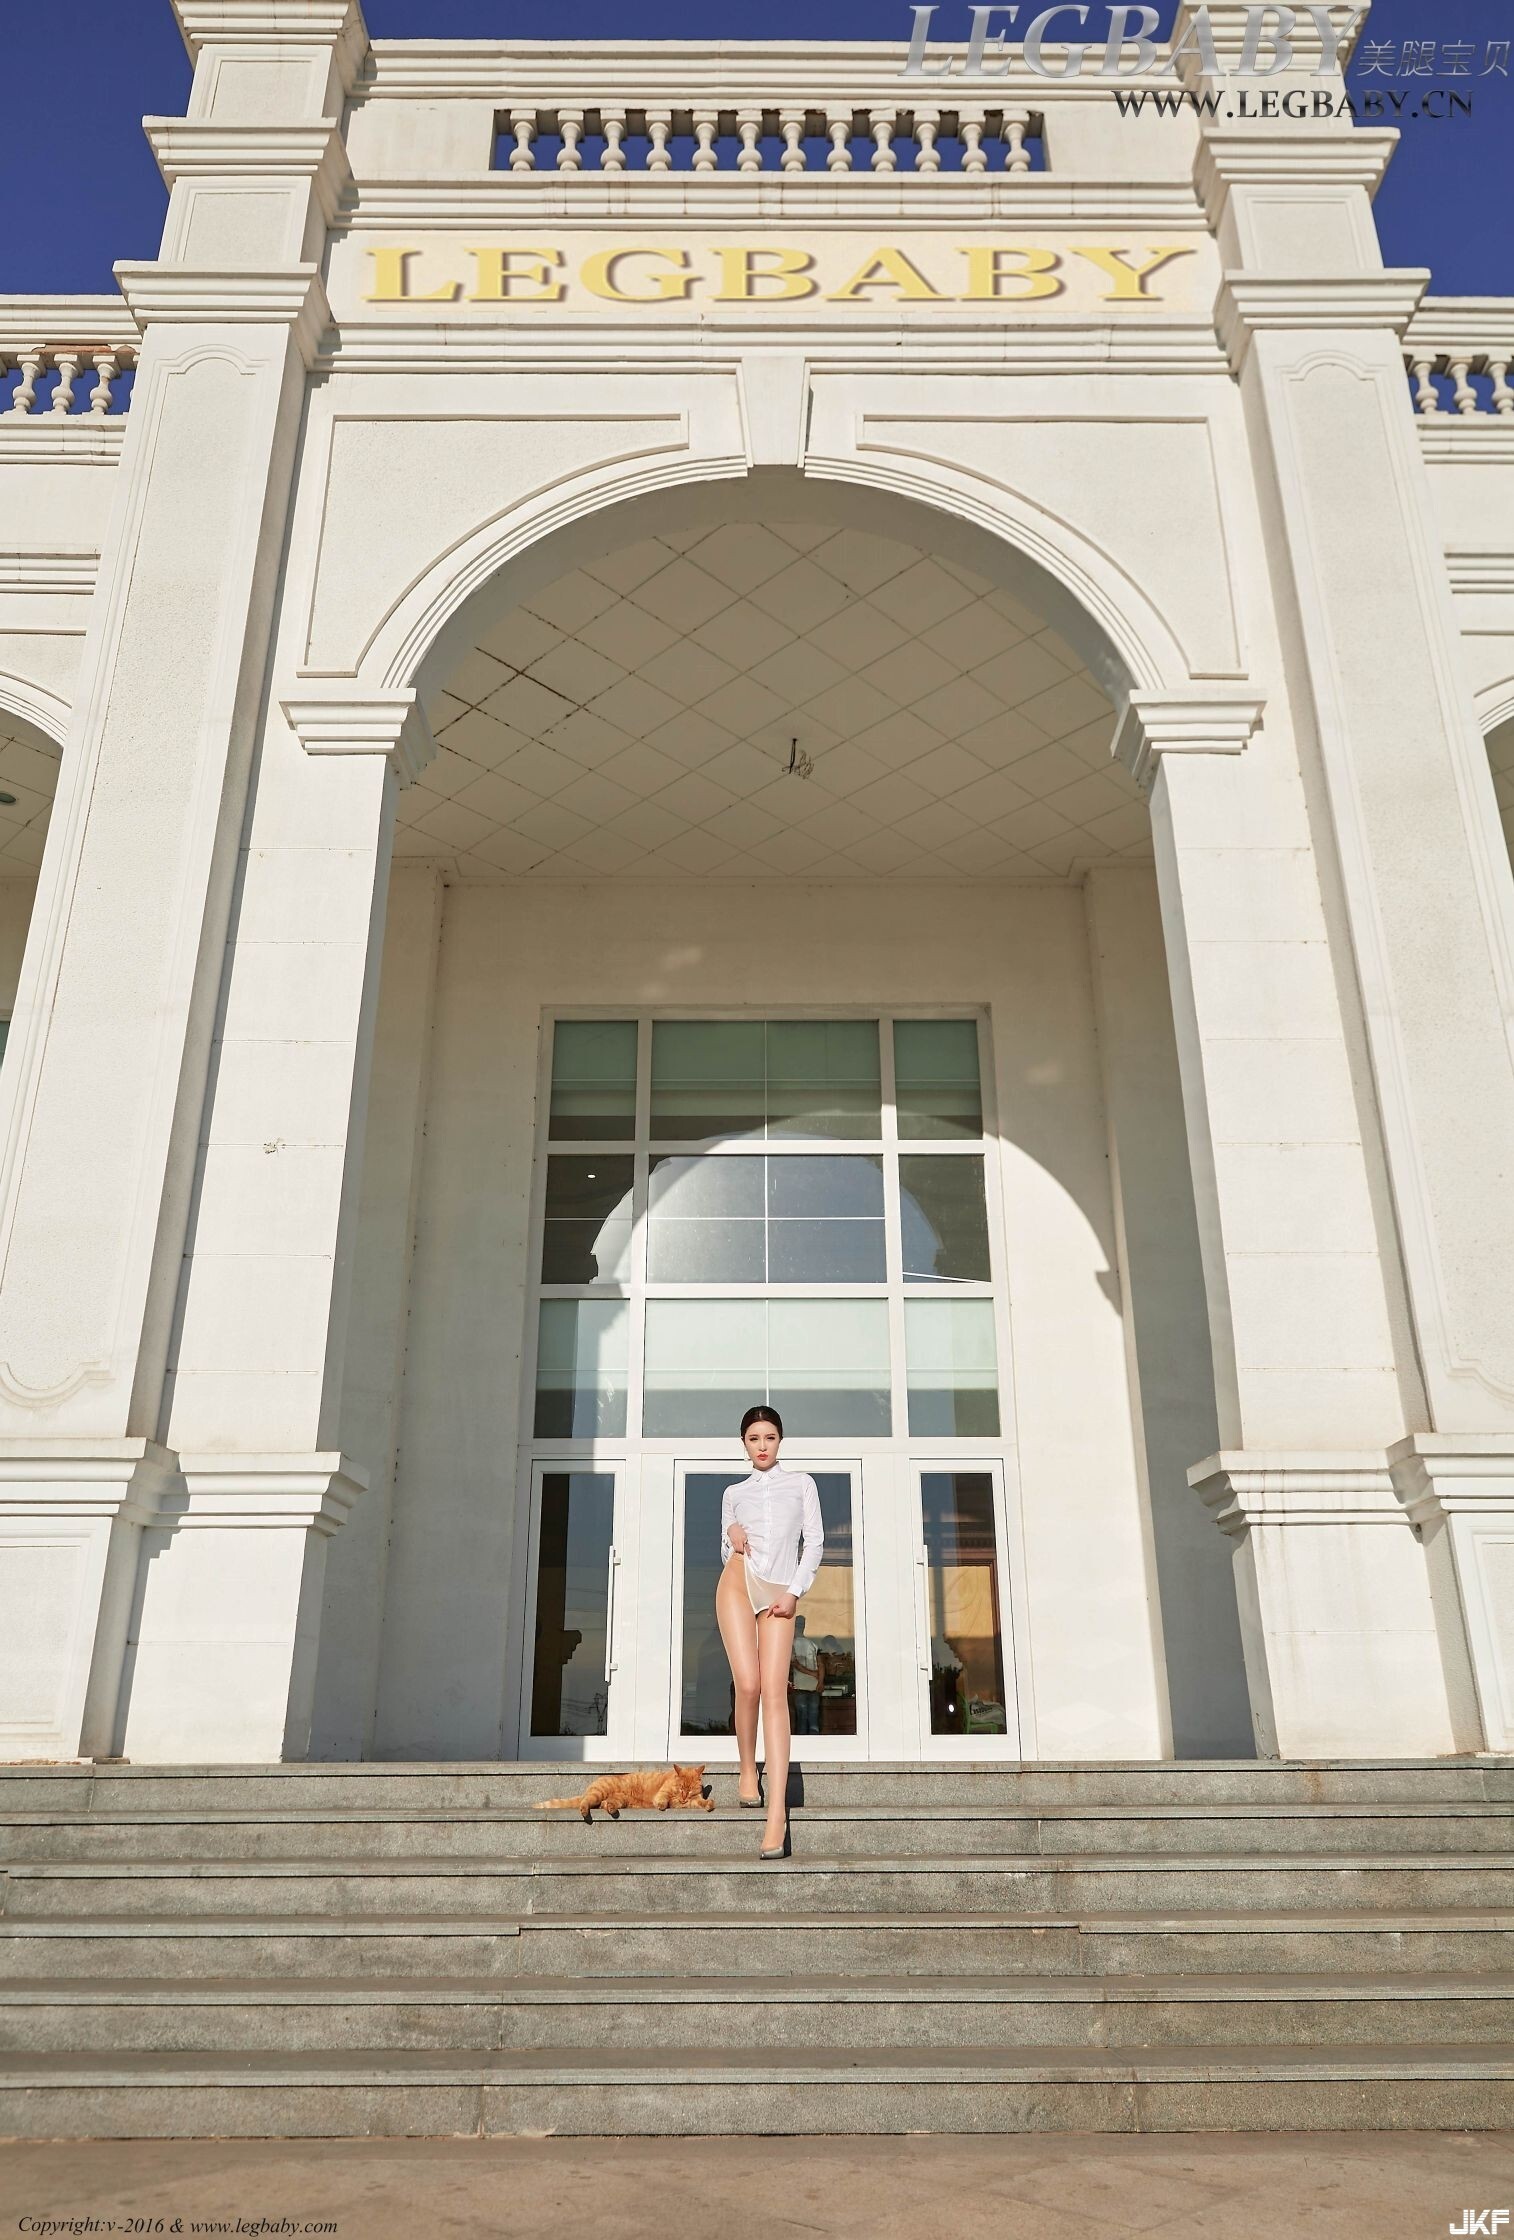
[[1480, 2220]]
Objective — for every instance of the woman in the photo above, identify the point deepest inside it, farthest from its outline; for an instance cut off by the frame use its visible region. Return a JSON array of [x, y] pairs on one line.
[[762, 1522]]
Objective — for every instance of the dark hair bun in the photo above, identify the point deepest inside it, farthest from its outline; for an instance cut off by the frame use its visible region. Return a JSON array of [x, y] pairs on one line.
[[762, 1415]]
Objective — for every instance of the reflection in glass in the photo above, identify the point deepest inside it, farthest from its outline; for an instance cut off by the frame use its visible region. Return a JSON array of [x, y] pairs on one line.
[[936, 1087], [587, 1236], [951, 1363], [962, 1599], [707, 1078], [823, 1078], [705, 1221], [714, 1078], [581, 1356], [822, 1362], [593, 1079], [943, 1219], [823, 1674], [569, 1692]]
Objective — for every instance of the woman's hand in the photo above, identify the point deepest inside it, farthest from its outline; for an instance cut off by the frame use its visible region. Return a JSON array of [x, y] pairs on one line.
[[782, 1606], [738, 1539]]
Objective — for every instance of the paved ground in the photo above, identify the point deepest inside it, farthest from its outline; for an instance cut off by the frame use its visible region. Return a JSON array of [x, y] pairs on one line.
[[1356, 2186]]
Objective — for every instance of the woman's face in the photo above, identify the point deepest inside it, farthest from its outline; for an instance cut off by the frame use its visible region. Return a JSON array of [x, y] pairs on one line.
[[761, 1443]]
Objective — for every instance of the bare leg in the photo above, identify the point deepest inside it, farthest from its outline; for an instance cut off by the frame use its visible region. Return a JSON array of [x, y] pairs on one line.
[[775, 1648], [738, 1630]]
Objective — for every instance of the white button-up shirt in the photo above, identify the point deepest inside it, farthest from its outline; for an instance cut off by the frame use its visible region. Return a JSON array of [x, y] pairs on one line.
[[777, 1509]]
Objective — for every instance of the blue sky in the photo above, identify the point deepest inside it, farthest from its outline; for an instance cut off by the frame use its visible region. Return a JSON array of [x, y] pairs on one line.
[[80, 187]]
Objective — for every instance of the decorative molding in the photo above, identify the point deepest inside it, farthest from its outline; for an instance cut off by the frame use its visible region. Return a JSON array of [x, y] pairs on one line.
[[342, 718], [104, 321], [1228, 21], [46, 1479], [1486, 574], [690, 74], [337, 24], [1446, 440], [1250, 303], [1243, 1490], [188, 149], [1294, 157], [306, 1492], [182, 295], [71, 571], [1462, 326], [1204, 720], [47, 711], [1437, 1475], [846, 200], [61, 440], [23, 1392]]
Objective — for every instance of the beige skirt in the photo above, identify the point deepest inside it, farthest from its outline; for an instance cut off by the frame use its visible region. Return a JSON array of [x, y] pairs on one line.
[[760, 1592]]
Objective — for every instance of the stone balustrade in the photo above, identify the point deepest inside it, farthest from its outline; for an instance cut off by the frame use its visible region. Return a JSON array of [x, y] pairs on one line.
[[1459, 352], [754, 140], [65, 358]]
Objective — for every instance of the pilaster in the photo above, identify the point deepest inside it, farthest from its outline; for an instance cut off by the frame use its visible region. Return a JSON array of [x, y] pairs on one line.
[[1342, 1658], [1459, 1495]]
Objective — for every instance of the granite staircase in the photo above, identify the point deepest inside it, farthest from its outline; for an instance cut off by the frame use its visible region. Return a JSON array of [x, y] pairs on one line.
[[351, 1950]]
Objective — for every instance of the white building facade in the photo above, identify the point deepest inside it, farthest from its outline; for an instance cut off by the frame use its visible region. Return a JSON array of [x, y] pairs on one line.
[[724, 725]]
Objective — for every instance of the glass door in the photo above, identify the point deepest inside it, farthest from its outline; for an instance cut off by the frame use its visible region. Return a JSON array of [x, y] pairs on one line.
[[828, 1690], [964, 1648], [575, 1700]]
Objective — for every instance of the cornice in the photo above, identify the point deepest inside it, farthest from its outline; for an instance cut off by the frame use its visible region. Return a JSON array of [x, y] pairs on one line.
[[1447, 439], [1251, 303], [1244, 1490], [46, 1479], [187, 149], [186, 295], [725, 74], [1228, 24], [336, 716], [965, 342], [1472, 326], [1205, 719], [853, 199], [1296, 157], [334, 24], [104, 322], [72, 439], [1482, 574], [71, 570], [1437, 1475], [310, 1492]]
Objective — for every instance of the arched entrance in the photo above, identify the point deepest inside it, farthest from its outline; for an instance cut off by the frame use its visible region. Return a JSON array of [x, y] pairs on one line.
[[791, 962]]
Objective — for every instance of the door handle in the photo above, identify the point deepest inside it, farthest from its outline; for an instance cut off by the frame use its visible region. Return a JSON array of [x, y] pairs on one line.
[[610, 1617], [922, 1565]]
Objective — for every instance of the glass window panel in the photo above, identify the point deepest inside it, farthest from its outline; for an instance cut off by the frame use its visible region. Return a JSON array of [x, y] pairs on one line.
[[828, 1366], [706, 1364], [823, 1672], [706, 1221], [826, 1220], [936, 1087], [587, 1234], [943, 1219], [569, 1693], [952, 1370], [826, 1252], [594, 1079], [581, 1356], [962, 1596], [823, 1078], [844, 1188], [707, 1078]]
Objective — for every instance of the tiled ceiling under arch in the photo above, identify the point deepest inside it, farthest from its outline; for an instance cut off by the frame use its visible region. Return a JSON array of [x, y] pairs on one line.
[[640, 715], [29, 767]]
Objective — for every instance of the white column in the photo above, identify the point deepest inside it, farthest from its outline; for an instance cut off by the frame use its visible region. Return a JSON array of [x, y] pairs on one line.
[[104, 1083], [1408, 830], [1336, 1624], [225, 1655]]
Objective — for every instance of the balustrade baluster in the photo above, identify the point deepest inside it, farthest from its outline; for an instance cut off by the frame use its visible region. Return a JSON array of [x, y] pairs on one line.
[[30, 360], [883, 123], [706, 122], [523, 126], [927, 125], [839, 130], [791, 124], [749, 126], [1013, 130], [1426, 395], [1466, 395], [67, 363], [570, 123], [614, 127], [974, 154], [659, 125], [1503, 395], [106, 364]]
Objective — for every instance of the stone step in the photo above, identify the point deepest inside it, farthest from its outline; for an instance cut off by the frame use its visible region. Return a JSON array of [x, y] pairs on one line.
[[816, 2089], [736, 1886], [237, 2015], [897, 1831], [1398, 1941], [1023, 1786]]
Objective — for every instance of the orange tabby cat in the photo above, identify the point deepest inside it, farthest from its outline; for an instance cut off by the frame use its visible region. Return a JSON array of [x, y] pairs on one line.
[[646, 1792]]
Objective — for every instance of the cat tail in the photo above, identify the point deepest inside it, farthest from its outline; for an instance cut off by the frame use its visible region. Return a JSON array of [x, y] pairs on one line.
[[547, 1804]]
